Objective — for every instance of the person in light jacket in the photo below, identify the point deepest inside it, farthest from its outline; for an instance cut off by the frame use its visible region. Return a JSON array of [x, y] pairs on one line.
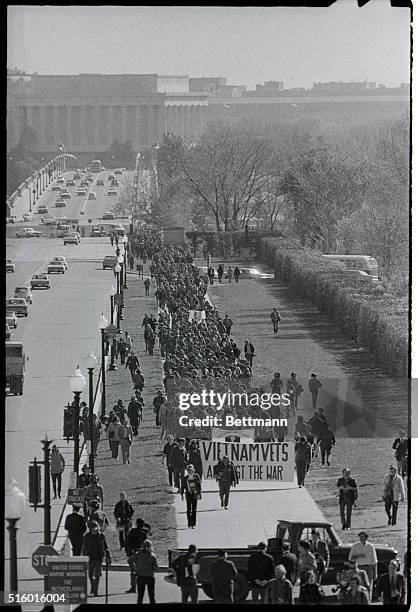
[[57, 468], [393, 493]]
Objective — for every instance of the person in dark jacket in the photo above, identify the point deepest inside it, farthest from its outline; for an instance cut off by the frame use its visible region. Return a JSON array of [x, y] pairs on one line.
[[223, 573], [158, 401], [168, 446], [133, 364], [320, 550], [290, 561], [178, 459], [314, 386], [311, 593], [76, 527], [96, 549], [138, 380], [191, 486], [326, 441], [185, 577], [123, 513], [303, 458], [220, 273], [211, 274], [347, 497], [226, 475], [260, 571], [392, 586], [134, 414], [145, 565], [134, 541], [400, 446], [237, 273], [195, 458]]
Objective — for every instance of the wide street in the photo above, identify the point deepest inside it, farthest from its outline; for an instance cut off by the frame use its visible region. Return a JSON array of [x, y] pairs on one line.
[[58, 334]]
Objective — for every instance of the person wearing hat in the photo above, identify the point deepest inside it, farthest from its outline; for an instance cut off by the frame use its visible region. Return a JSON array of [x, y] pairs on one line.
[[76, 527], [365, 554], [290, 562], [400, 446], [320, 550], [95, 514], [393, 493], [303, 458], [96, 549], [275, 318], [84, 477]]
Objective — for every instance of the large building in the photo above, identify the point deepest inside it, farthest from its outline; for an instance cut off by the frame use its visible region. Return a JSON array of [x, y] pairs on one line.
[[88, 111]]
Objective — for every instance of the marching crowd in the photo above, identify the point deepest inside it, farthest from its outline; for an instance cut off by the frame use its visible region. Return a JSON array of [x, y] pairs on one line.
[[201, 349]]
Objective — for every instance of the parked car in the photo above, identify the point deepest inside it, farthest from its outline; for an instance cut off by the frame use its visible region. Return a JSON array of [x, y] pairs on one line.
[[81, 192], [118, 171], [40, 281], [60, 181], [56, 267], [14, 219], [92, 195], [17, 305], [100, 183], [11, 319], [63, 230], [49, 220], [108, 215], [112, 192], [24, 292], [26, 217], [28, 232], [109, 261], [10, 266], [61, 259], [55, 188], [60, 204], [71, 239], [70, 183], [42, 210], [66, 195]]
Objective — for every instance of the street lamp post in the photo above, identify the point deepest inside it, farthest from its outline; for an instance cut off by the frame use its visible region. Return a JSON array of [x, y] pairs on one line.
[[120, 262], [124, 242], [77, 384], [91, 364], [117, 272], [112, 305], [47, 489], [34, 196], [103, 323], [14, 509]]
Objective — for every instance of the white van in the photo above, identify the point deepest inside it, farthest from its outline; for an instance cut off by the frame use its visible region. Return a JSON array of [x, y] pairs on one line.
[[362, 263]]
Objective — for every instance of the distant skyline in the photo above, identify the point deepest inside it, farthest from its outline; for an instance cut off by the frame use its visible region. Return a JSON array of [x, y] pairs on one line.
[[247, 45]]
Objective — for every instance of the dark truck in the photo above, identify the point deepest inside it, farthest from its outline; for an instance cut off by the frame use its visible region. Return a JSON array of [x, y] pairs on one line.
[[287, 531]]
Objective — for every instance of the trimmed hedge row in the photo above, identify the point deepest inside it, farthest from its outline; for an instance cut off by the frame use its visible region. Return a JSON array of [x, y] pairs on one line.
[[365, 312]]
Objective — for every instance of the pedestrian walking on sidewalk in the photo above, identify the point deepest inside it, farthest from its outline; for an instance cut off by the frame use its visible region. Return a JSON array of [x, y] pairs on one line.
[[303, 458], [294, 390], [220, 273], [314, 386], [84, 477], [249, 352], [279, 590], [112, 239], [76, 527], [133, 543], [145, 565], [131, 261], [158, 401], [211, 275], [133, 364], [140, 268], [348, 495], [229, 274], [57, 468], [123, 514], [195, 458], [184, 568], [326, 441], [400, 446], [96, 549], [275, 318], [164, 415], [138, 380], [393, 493], [128, 341], [178, 459], [122, 350], [95, 514], [125, 435], [320, 550], [260, 571], [113, 438], [223, 573], [226, 476], [134, 414], [237, 273], [167, 457], [311, 593], [147, 284], [365, 554], [192, 488]]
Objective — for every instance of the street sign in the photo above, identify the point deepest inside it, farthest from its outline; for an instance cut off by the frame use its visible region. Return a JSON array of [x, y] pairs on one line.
[[75, 497], [68, 575], [73, 480], [111, 330], [39, 558]]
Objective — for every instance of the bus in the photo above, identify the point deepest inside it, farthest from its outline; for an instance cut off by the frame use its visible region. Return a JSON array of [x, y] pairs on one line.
[[95, 165]]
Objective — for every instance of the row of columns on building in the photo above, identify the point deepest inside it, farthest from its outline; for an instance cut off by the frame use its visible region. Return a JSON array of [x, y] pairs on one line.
[[99, 125]]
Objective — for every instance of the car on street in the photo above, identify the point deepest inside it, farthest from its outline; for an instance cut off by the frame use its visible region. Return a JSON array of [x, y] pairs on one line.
[[71, 239], [11, 319], [81, 192], [92, 195], [26, 217], [40, 281], [10, 267], [77, 176], [24, 292], [60, 204], [63, 230], [60, 181], [70, 183], [28, 232], [14, 219], [107, 215], [66, 195], [42, 210], [100, 182], [118, 171], [61, 259], [49, 220], [114, 183], [56, 267], [8, 332], [55, 188], [109, 261], [17, 305], [112, 192]]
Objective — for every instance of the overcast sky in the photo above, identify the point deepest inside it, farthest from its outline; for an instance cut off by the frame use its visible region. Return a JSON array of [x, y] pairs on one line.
[[247, 45]]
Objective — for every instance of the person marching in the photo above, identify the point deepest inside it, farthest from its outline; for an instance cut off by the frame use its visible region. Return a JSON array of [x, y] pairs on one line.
[[314, 386], [320, 550], [326, 441], [249, 352], [191, 486], [260, 571], [237, 273], [365, 554], [185, 576], [76, 527], [223, 573], [57, 468], [229, 274], [123, 514], [303, 458], [393, 493], [294, 390], [275, 318], [400, 446], [226, 476], [145, 565], [125, 435], [178, 459], [220, 273], [96, 549], [147, 284], [133, 364], [348, 495]]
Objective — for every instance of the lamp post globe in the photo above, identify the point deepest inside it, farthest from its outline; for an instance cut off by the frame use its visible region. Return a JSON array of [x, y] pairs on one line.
[[113, 291], [117, 268], [91, 361], [120, 260], [77, 381], [103, 322]]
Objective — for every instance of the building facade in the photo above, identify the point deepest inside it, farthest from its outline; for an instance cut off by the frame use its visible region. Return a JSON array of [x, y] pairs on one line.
[[88, 111]]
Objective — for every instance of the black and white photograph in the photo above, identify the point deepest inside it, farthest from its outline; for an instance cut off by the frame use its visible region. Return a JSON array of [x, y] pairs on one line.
[[208, 368]]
